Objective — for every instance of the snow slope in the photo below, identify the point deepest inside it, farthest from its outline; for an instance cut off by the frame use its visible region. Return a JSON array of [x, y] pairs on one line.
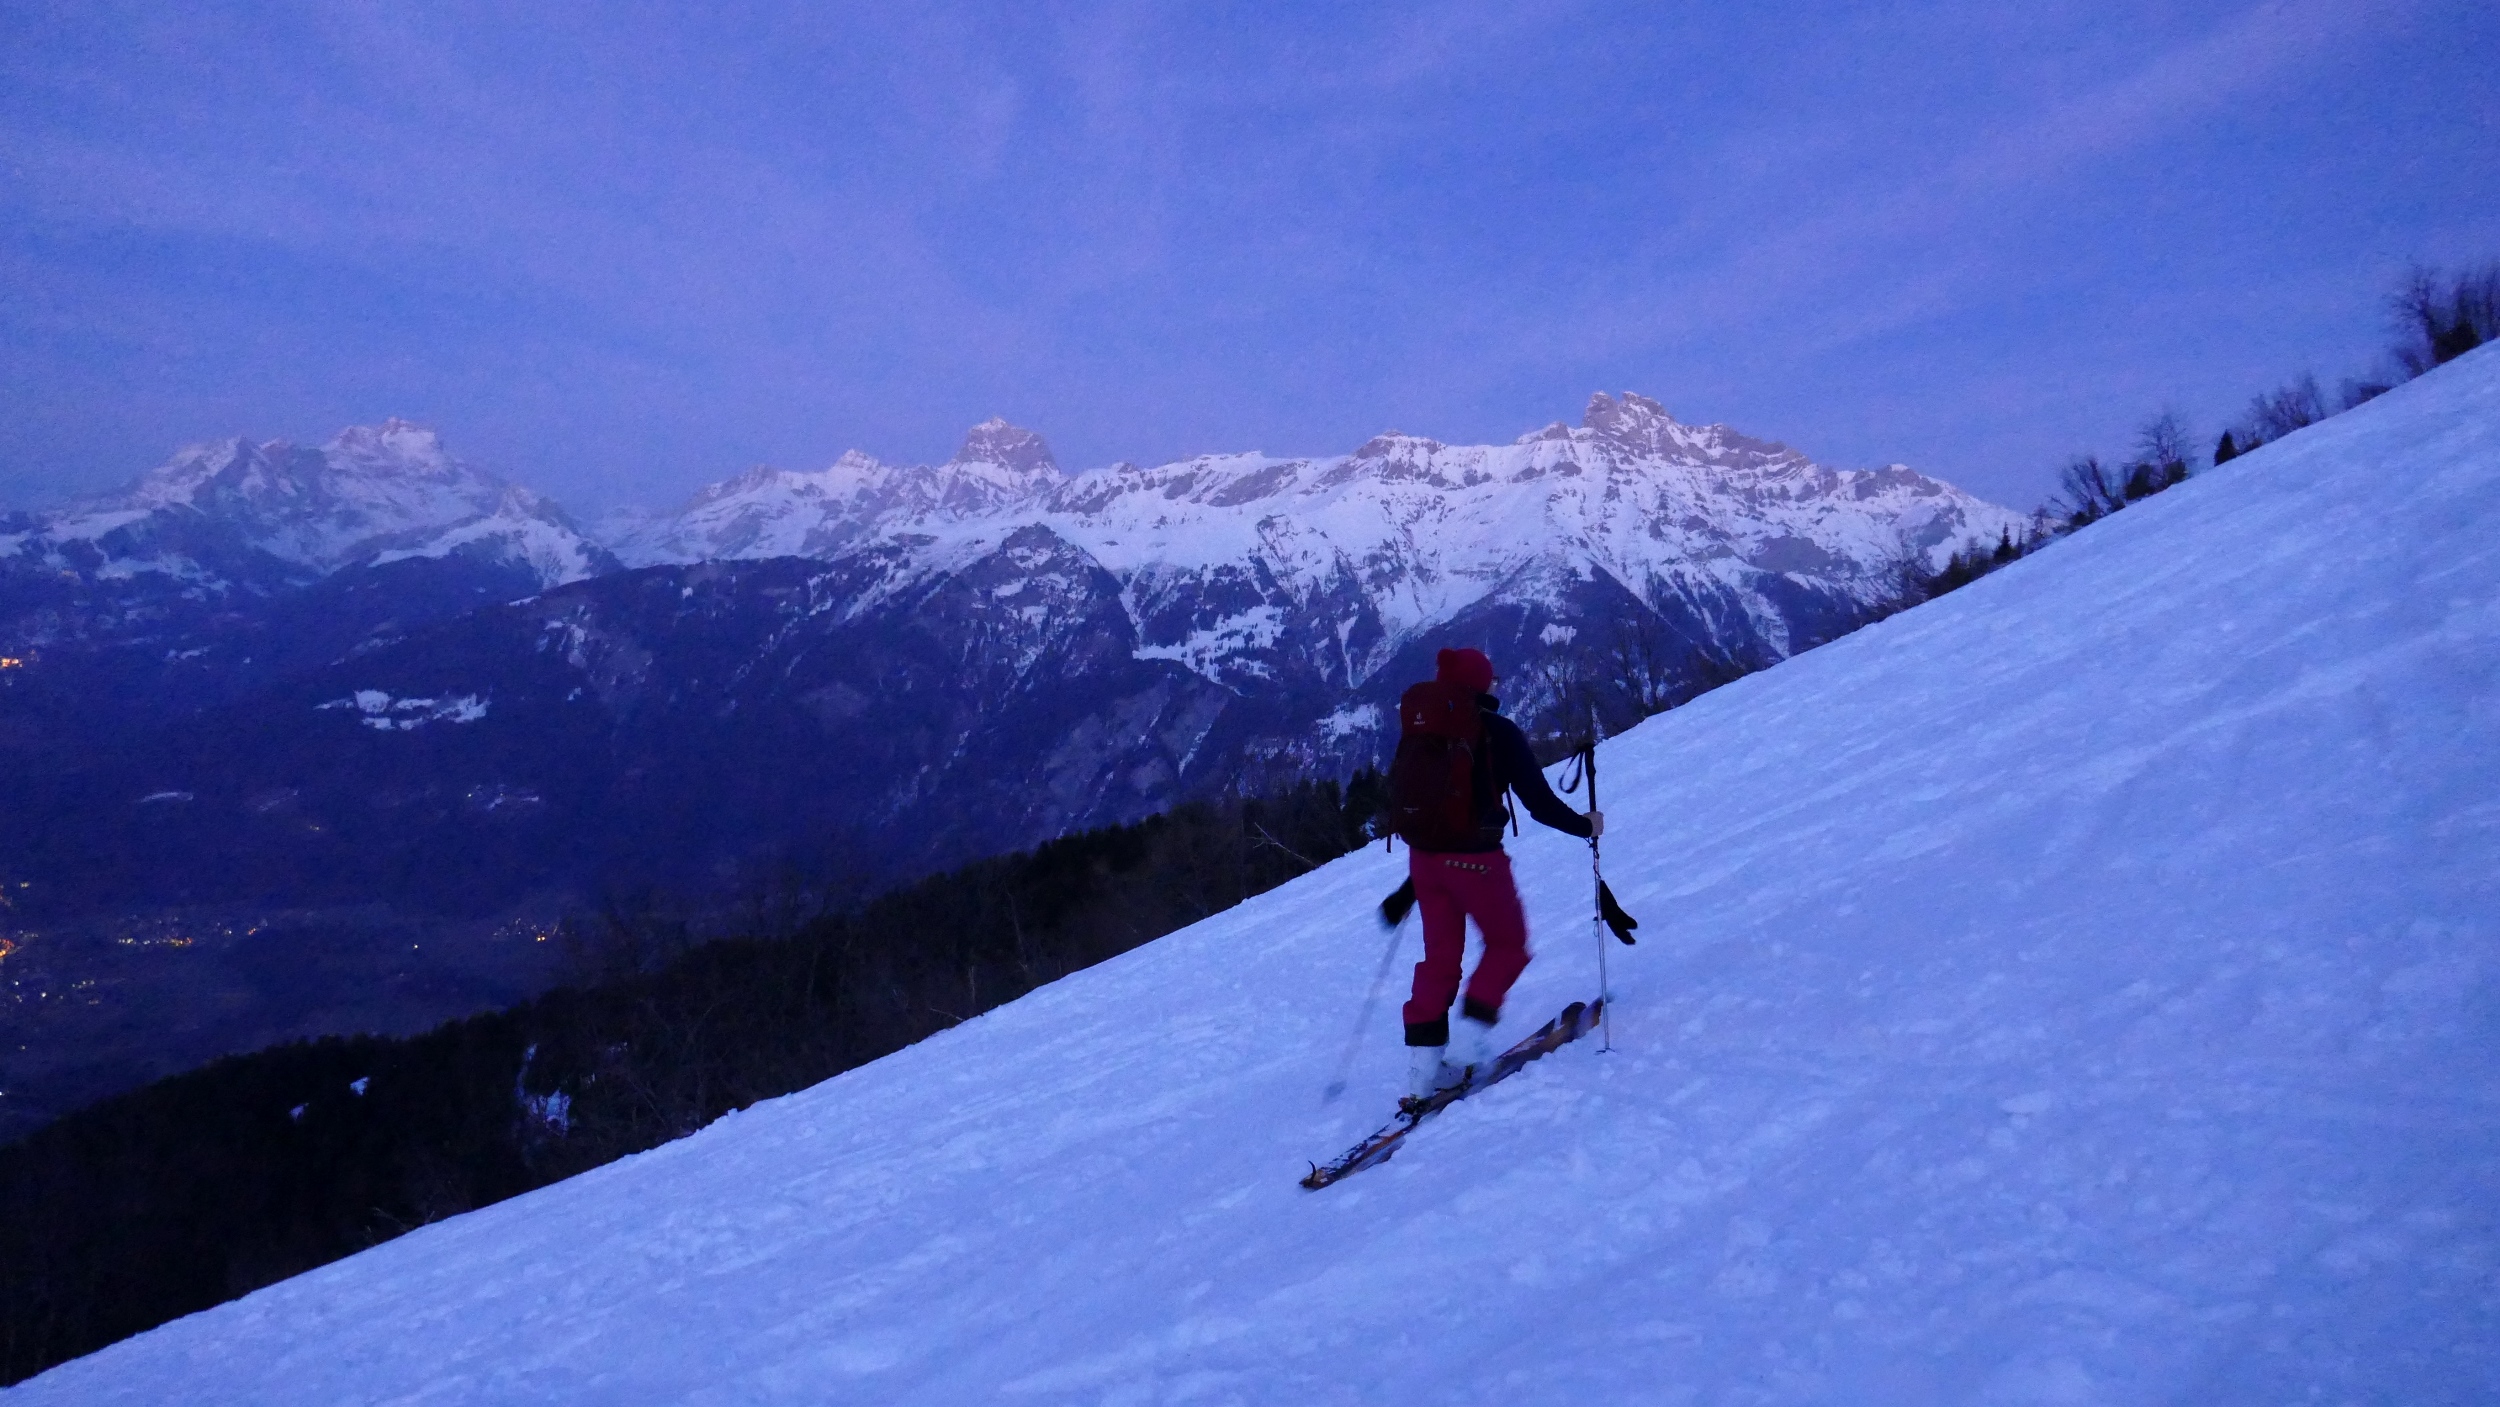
[[2081, 989]]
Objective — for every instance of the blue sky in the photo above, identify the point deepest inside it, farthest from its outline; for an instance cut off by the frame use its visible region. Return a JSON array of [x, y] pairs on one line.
[[617, 251]]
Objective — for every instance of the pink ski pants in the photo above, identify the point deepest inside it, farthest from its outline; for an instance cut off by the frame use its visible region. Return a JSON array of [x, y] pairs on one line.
[[1449, 890]]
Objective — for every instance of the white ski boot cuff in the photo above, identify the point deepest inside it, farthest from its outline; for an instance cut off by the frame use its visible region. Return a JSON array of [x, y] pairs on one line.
[[1423, 1070]]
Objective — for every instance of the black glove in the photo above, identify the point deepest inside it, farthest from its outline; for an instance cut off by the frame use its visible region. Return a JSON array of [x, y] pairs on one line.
[[1393, 909]]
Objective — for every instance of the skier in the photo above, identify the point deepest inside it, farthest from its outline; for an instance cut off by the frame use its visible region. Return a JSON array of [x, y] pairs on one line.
[[1457, 756]]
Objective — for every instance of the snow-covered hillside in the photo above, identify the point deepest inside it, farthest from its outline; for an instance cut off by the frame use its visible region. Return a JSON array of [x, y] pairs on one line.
[[372, 494], [2081, 989]]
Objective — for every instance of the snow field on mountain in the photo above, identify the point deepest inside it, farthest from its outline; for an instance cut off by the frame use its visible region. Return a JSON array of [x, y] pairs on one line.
[[2078, 990], [372, 494], [1407, 529]]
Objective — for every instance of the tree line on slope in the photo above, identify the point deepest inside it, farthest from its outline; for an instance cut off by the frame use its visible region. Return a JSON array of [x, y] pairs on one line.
[[1639, 670], [2437, 317], [205, 1186]]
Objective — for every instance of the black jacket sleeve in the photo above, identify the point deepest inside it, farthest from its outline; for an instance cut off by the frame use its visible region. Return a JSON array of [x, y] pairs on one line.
[[1515, 766]]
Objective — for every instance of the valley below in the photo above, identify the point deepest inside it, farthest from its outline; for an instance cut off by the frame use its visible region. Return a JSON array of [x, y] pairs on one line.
[[95, 1006]]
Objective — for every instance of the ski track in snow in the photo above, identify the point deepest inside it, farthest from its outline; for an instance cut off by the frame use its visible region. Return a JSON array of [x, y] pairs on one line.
[[2078, 990]]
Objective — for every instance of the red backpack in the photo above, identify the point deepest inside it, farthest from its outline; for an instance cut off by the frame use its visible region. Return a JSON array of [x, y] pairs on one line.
[[1432, 779]]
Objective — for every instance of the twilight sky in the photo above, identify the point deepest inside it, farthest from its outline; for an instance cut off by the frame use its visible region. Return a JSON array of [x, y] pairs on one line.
[[619, 250]]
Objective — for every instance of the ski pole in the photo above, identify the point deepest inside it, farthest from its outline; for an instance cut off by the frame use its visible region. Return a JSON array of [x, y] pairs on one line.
[[1371, 999], [1597, 907]]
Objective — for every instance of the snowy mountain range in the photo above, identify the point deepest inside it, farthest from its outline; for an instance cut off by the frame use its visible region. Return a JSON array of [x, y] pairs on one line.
[[1247, 568], [1253, 570], [235, 512], [373, 684], [1196, 625], [2080, 989]]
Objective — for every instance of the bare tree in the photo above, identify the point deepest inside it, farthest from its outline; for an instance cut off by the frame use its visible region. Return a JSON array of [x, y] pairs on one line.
[[2293, 405], [1649, 663], [2165, 440], [2361, 391], [2415, 307], [1903, 580], [2089, 490], [1561, 687], [2163, 447], [2436, 324]]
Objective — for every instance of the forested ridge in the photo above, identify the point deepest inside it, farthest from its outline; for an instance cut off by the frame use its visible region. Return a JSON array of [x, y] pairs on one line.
[[205, 1186]]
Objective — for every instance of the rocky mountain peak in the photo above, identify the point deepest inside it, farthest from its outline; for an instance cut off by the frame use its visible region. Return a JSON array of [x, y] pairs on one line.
[[1635, 421], [182, 478], [746, 481], [1636, 425], [994, 441], [1392, 444], [394, 437]]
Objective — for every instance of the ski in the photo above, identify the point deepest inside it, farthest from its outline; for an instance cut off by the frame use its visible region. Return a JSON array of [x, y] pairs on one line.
[[1576, 1020]]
